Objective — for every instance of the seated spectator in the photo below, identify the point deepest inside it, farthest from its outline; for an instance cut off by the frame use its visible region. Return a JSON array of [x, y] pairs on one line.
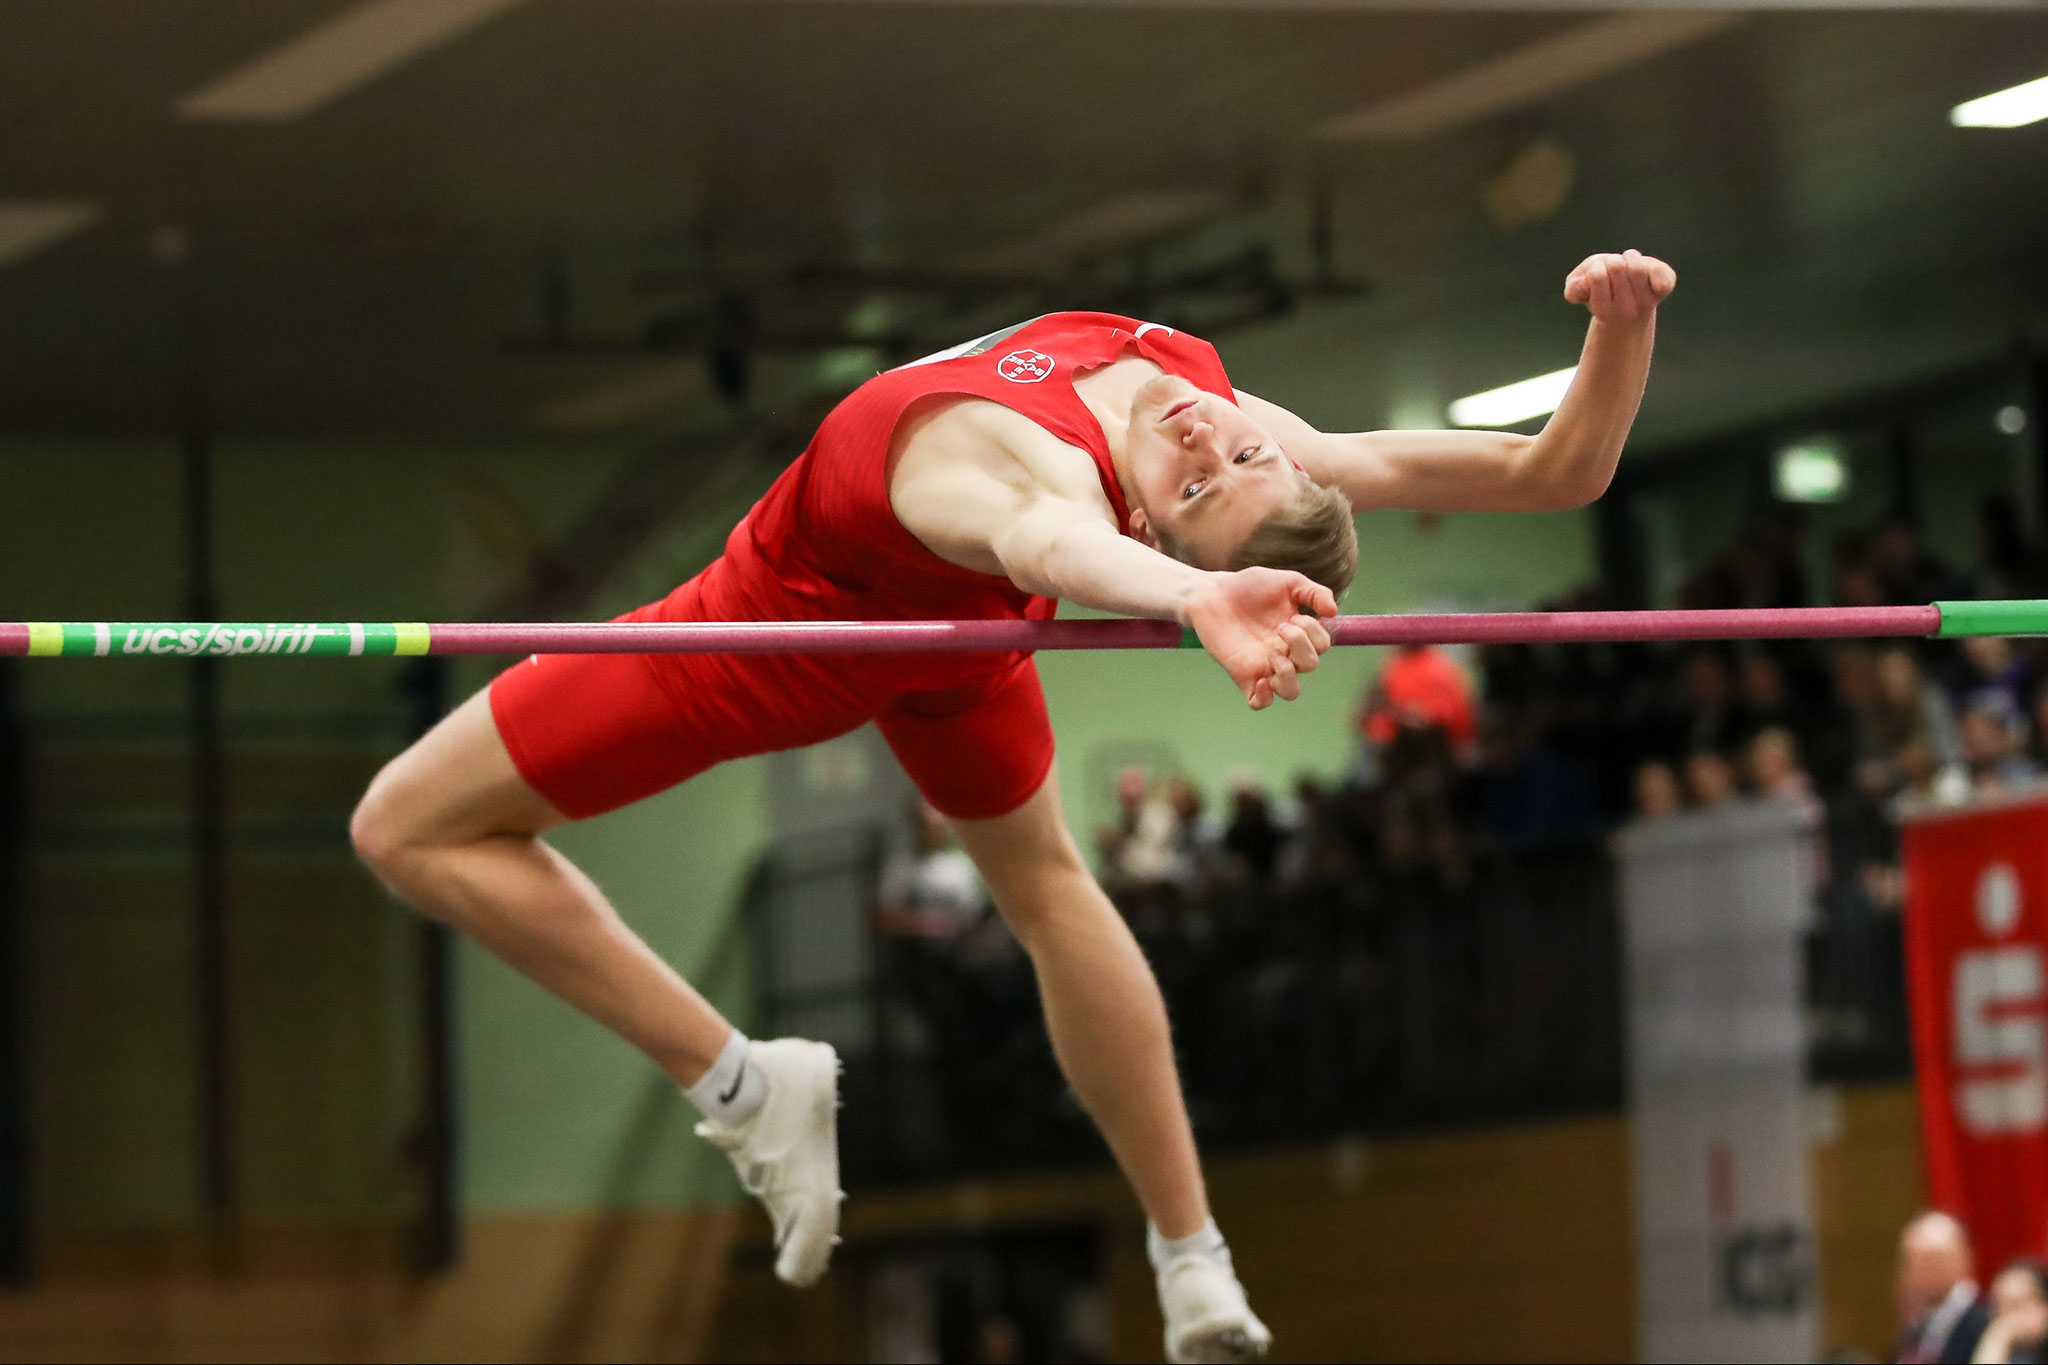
[[1531, 799], [2018, 1334], [1990, 744], [1131, 785], [1909, 707], [1709, 780], [1150, 858], [1657, 793], [1254, 836], [1418, 688], [1772, 760], [1907, 575], [931, 890], [1941, 1315], [1922, 776], [1763, 696], [1991, 674], [1708, 715], [1199, 838]]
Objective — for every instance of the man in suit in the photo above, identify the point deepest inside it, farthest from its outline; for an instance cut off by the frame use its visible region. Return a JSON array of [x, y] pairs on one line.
[[1941, 1313]]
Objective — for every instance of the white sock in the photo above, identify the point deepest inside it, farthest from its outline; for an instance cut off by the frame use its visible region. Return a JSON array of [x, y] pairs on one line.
[[1206, 1240], [731, 1092]]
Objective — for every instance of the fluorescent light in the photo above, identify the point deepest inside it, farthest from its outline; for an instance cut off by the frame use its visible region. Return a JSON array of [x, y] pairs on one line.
[[2011, 420], [1512, 403], [1811, 471], [1523, 76], [2005, 108], [27, 227], [352, 49]]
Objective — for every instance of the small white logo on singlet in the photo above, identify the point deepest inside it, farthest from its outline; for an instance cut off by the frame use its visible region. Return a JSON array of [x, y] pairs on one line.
[[1025, 367]]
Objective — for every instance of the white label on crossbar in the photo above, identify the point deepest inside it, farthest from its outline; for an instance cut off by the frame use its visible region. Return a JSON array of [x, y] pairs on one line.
[[102, 637], [355, 637]]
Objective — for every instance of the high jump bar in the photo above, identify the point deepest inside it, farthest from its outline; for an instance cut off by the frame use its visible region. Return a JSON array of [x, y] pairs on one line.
[[190, 639]]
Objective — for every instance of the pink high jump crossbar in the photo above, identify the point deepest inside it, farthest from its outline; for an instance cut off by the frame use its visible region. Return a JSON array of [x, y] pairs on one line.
[[193, 639]]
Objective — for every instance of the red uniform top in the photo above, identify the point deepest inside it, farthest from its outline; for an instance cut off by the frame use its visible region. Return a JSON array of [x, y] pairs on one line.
[[826, 534], [593, 732]]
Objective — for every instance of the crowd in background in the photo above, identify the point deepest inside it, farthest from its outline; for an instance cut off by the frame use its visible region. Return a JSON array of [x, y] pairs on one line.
[[1435, 928], [1518, 750]]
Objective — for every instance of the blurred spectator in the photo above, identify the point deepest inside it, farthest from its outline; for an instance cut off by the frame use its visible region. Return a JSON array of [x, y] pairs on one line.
[[1709, 780], [1531, 799], [1922, 776], [1254, 836], [1991, 675], [2018, 1334], [931, 890], [1772, 761], [1198, 837], [1420, 687], [1657, 793], [1151, 856], [1990, 744], [1131, 785], [1941, 1315], [1709, 718], [1906, 574], [1908, 707], [1764, 697]]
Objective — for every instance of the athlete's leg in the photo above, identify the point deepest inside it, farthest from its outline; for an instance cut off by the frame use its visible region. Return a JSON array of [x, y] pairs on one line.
[[1102, 1005], [452, 827]]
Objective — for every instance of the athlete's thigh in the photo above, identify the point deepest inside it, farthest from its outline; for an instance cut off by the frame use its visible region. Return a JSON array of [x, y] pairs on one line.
[[1026, 852], [457, 782]]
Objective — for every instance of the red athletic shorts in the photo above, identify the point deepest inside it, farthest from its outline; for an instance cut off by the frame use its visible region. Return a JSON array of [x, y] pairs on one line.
[[593, 732]]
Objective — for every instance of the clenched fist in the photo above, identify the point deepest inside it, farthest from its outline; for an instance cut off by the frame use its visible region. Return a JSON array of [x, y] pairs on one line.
[[1620, 288]]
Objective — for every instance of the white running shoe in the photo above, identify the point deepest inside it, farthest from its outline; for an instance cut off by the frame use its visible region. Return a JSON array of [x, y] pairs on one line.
[[787, 1154], [1207, 1318]]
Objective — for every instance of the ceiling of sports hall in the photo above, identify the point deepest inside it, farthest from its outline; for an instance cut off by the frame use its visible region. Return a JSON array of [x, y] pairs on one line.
[[551, 217]]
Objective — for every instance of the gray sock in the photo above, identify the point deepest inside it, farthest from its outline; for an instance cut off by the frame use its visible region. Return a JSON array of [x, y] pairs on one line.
[[731, 1092], [1206, 1240]]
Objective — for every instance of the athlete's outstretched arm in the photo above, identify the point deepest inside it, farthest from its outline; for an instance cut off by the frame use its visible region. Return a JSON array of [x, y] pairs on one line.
[[1568, 464], [1250, 621]]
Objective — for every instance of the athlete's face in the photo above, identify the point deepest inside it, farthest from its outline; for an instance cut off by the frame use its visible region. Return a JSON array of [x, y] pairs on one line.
[[1205, 474]]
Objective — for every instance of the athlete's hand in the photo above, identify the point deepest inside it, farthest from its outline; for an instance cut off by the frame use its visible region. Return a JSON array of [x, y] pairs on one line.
[[1623, 288], [1251, 623]]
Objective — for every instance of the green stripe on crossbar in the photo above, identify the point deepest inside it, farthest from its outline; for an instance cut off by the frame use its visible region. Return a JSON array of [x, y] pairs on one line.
[[1993, 618]]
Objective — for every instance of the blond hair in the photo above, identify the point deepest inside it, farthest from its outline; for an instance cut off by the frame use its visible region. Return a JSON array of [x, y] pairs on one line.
[[1313, 535]]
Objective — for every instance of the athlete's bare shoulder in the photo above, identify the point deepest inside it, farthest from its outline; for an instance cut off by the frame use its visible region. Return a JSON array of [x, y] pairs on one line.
[[961, 468]]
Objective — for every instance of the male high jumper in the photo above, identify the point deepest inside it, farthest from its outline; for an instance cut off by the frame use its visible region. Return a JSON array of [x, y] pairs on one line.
[[1079, 456]]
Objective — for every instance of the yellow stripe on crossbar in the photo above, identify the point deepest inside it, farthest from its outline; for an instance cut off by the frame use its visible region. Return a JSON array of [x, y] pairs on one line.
[[45, 637], [410, 637]]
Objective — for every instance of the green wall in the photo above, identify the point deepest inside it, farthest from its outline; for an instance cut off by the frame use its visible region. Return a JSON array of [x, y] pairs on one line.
[[555, 1113]]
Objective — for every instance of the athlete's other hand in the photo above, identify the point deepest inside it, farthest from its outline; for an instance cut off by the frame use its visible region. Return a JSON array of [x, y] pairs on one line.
[[1620, 288], [1251, 623]]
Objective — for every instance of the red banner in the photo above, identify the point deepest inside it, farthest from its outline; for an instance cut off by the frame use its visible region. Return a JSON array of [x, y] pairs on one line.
[[1976, 941]]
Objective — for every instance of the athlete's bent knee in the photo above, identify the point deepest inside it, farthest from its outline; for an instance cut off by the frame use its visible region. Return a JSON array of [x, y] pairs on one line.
[[382, 836]]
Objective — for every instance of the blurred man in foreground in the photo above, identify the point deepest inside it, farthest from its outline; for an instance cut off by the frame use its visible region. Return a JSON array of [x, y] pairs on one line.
[[1941, 1314]]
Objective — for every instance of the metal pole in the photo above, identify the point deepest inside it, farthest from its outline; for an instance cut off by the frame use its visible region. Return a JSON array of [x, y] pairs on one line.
[[14, 1147], [209, 848], [439, 1240]]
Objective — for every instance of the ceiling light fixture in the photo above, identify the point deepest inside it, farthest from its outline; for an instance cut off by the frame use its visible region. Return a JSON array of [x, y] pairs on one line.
[[1524, 76], [352, 49], [1512, 403], [2014, 108], [26, 227]]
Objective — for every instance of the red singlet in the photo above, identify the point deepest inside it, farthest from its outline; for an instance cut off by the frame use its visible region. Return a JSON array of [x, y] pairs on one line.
[[592, 732]]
